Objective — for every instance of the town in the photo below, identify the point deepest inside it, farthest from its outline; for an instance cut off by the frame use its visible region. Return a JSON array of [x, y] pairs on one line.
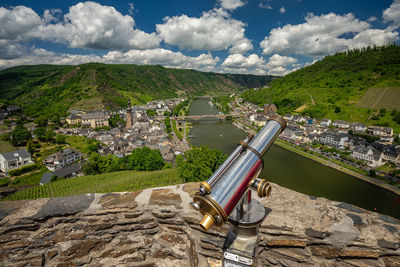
[[120, 132]]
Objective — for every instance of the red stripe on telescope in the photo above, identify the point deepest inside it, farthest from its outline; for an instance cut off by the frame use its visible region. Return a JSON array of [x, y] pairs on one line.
[[242, 189]]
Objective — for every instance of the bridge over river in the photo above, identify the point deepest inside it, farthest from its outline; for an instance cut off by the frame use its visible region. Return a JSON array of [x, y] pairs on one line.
[[198, 117]]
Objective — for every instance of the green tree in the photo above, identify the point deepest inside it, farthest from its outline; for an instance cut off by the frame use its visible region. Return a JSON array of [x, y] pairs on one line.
[[20, 135], [49, 135], [40, 133], [30, 146], [199, 164], [41, 121], [151, 112], [60, 139], [337, 109], [115, 119]]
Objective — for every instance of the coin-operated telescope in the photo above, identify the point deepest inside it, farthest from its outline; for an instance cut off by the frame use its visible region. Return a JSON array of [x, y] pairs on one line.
[[226, 195]]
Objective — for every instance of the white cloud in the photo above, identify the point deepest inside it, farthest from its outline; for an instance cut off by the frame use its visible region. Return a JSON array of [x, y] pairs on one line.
[[160, 56], [91, 25], [167, 58], [87, 25], [392, 15], [323, 35], [42, 56], [372, 19], [240, 61], [282, 10], [264, 4], [131, 8], [10, 49], [280, 61], [277, 64], [17, 22], [231, 4], [50, 15], [214, 30]]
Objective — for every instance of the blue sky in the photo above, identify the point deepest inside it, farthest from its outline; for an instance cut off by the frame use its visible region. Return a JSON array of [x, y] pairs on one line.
[[236, 36]]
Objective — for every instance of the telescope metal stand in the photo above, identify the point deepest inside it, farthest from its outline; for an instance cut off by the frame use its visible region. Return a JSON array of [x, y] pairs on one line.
[[240, 247]]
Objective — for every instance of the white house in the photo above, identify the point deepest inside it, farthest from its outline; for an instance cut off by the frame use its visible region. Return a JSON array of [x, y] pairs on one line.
[[341, 124], [61, 159], [358, 127], [325, 122], [333, 139], [380, 131], [298, 118], [375, 158], [15, 159]]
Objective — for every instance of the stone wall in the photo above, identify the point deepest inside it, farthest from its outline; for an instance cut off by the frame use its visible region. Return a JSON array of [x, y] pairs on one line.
[[156, 227]]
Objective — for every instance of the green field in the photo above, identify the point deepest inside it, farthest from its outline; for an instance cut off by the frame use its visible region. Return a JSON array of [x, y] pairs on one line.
[[122, 181], [383, 97], [6, 147], [78, 142]]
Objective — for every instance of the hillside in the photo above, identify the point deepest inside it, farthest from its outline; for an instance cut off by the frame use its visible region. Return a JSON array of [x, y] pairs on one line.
[[50, 90], [335, 87]]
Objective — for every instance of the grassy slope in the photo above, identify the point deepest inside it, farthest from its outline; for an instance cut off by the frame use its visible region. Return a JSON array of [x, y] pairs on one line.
[[340, 80], [50, 90], [108, 182]]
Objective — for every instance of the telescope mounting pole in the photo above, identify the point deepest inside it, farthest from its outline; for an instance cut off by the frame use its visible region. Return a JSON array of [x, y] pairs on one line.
[[240, 247]]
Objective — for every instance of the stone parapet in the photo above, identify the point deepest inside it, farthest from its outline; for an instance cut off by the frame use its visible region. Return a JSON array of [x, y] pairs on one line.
[[157, 227]]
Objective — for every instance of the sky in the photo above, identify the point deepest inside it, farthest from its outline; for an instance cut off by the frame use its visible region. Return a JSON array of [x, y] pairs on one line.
[[263, 37]]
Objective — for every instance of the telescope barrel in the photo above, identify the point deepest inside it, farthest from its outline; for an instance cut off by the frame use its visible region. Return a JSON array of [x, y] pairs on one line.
[[205, 187], [237, 176]]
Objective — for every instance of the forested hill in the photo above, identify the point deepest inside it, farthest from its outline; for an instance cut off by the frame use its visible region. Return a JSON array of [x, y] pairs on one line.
[[335, 86], [51, 90]]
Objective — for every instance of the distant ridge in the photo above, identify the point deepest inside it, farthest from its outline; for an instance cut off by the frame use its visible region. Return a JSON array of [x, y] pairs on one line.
[[49, 90]]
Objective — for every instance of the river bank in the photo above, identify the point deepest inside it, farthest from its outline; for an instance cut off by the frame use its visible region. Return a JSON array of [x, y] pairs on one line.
[[244, 127], [339, 168]]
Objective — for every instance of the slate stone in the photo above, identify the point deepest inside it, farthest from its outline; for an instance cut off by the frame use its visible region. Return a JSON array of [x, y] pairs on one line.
[[393, 261], [328, 252], [312, 197], [165, 197], [9, 207], [317, 234], [115, 201], [386, 244], [359, 254], [390, 228], [3, 214], [349, 207], [357, 220], [18, 227], [64, 206], [191, 188], [388, 219]]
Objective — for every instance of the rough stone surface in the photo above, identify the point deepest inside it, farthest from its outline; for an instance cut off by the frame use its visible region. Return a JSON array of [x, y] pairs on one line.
[[156, 227]]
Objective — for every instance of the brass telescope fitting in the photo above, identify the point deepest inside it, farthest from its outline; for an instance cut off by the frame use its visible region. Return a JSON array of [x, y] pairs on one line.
[[262, 186], [205, 187], [212, 212]]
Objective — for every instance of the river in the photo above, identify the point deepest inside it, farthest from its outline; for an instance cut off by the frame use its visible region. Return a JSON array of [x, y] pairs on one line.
[[291, 170]]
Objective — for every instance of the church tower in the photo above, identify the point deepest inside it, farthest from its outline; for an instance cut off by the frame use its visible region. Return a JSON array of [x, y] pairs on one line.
[[129, 119]]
